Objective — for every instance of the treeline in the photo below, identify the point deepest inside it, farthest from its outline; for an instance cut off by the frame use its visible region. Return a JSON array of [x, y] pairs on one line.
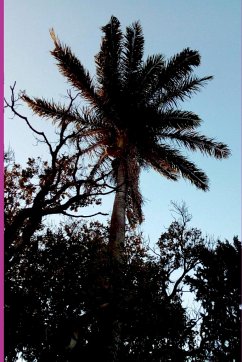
[[59, 301]]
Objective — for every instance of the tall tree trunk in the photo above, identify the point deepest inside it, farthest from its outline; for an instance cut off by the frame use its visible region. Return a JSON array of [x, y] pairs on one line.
[[116, 245], [117, 227]]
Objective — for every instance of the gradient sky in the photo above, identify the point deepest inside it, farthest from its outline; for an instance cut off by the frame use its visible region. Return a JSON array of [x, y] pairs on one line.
[[212, 27]]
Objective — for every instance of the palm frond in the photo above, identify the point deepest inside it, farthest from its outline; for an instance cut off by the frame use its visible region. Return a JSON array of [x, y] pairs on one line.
[[73, 70], [49, 109], [179, 91], [178, 164], [157, 159], [178, 119], [180, 65], [190, 172], [149, 75], [133, 49], [177, 68], [196, 142], [156, 121], [92, 149], [98, 165], [108, 59]]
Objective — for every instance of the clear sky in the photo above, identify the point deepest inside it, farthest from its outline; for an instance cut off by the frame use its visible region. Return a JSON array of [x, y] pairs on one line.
[[212, 27]]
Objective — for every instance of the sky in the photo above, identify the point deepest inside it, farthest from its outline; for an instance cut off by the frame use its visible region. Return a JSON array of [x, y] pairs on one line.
[[211, 27]]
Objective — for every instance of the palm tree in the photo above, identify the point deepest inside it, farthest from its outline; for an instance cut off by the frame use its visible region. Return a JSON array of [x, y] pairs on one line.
[[133, 119]]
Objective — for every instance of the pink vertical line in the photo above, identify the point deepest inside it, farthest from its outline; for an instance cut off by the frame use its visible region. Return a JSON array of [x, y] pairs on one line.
[[1, 182]]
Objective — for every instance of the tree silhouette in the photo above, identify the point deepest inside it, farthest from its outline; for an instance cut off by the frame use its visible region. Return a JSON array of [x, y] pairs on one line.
[[58, 300], [132, 119]]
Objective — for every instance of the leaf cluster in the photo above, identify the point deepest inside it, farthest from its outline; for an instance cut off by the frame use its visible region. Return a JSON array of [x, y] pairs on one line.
[[63, 288]]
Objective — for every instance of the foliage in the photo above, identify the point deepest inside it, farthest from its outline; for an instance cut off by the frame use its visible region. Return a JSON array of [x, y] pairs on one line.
[[59, 297], [216, 284], [56, 186]]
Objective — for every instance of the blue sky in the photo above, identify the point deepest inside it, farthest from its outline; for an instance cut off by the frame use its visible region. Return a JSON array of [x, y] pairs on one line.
[[212, 27]]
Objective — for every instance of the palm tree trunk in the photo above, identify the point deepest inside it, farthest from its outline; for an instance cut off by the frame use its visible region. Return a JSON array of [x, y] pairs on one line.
[[117, 227], [116, 244]]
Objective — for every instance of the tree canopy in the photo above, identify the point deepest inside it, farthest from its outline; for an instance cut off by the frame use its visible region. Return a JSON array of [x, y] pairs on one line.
[[57, 296]]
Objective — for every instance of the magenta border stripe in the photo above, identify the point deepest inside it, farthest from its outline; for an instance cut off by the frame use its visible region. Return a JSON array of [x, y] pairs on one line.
[[1, 182]]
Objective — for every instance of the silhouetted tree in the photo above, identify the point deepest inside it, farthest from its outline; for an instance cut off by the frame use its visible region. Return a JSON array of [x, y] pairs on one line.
[[58, 297], [132, 116], [58, 185], [216, 284]]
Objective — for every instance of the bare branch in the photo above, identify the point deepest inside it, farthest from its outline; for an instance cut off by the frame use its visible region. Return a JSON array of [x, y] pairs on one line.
[[12, 106], [84, 216]]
